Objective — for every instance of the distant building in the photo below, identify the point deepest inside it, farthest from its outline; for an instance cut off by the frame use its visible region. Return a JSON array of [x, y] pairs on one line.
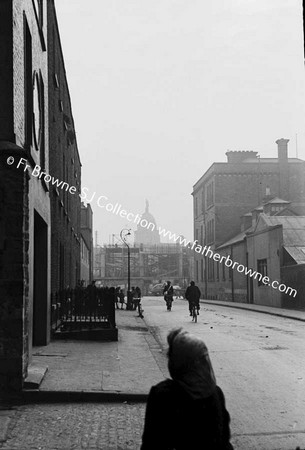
[[86, 274], [147, 231], [148, 265], [229, 190]]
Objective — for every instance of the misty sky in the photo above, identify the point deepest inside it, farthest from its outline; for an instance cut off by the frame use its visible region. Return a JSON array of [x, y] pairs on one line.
[[163, 88]]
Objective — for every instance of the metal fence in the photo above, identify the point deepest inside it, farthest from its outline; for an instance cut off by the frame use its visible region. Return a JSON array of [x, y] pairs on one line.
[[83, 308]]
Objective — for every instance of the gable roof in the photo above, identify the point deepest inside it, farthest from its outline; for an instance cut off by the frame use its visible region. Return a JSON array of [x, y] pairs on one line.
[[276, 200]]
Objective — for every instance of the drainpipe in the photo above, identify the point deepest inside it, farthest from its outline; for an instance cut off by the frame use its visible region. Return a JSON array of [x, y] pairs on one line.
[[232, 276], [247, 265]]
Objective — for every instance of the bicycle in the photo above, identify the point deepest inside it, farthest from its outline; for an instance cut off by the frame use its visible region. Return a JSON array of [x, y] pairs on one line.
[[194, 312]]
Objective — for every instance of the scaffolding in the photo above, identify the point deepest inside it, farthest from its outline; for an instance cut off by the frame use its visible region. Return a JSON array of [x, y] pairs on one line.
[[148, 264]]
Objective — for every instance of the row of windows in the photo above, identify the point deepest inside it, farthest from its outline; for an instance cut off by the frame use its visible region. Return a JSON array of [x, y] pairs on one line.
[[210, 233], [216, 270], [206, 200]]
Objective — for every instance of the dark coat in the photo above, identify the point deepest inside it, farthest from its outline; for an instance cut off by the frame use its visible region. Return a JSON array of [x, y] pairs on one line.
[[169, 290], [175, 421], [192, 294]]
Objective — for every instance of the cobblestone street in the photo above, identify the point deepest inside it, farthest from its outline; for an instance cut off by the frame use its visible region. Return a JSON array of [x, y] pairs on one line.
[[76, 426]]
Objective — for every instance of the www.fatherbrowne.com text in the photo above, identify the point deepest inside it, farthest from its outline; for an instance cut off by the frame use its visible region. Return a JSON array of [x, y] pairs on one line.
[[117, 209]]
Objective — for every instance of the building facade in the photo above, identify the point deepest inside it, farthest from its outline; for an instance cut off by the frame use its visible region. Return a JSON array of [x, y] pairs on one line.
[[270, 245], [65, 166], [40, 176], [25, 202], [229, 190]]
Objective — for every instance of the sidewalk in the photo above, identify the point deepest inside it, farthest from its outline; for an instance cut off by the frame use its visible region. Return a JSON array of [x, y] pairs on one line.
[[106, 371], [111, 371], [287, 313]]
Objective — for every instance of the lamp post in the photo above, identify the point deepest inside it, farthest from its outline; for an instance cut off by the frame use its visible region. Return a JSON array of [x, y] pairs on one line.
[[126, 232]]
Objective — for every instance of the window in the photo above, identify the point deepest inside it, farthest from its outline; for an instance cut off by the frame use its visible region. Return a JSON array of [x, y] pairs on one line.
[[210, 269], [223, 272], [217, 270], [197, 270], [262, 269], [210, 194], [230, 271], [196, 207], [202, 277], [210, 231]]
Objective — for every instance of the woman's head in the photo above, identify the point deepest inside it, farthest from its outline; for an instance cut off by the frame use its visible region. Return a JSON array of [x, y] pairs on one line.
[[189, 363]]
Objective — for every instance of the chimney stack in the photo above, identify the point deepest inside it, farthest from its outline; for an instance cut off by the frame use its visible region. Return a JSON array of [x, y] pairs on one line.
[[282, 145], [283, 168], [241, 156]]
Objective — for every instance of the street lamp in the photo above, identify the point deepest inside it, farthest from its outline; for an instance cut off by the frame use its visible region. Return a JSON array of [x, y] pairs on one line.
[[123, 234]]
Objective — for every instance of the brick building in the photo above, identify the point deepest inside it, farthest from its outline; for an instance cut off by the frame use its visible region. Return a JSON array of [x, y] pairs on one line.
[[229, 190], [25, 204], [65, 166], [40, 207]]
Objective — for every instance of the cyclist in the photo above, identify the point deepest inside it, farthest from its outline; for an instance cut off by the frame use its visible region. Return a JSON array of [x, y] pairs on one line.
[[168, 293], [193, 294]]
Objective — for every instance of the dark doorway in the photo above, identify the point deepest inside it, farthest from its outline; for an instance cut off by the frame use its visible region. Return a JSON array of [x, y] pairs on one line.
[[250, 290], [40, 297]]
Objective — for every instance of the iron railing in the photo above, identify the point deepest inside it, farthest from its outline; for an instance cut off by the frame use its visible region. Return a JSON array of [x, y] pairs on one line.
[[81, 308]]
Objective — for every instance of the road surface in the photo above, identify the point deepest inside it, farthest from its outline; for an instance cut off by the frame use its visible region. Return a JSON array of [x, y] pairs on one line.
[[259, 362]]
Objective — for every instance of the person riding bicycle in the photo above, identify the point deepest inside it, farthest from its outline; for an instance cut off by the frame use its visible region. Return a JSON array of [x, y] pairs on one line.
[[193, 294], [168, 292]]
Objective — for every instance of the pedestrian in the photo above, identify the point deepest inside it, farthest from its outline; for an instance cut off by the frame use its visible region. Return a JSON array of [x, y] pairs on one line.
[[193, 294], [121, 296], [168, 293], [117, 297], [187, 412], [133, 296], [137, 300]]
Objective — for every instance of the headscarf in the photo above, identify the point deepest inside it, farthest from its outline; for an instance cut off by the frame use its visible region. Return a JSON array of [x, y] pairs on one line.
[[189, 364]]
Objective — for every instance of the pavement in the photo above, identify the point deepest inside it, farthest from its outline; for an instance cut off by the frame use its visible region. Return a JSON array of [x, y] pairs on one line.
[[75, 383], [67, 370], [111, 371], [287, 313]]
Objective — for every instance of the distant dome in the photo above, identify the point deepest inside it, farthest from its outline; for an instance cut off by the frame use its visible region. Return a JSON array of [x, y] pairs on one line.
[[147, 234]]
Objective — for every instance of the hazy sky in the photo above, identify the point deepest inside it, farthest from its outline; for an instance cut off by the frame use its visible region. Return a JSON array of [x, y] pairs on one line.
[[161, 89]]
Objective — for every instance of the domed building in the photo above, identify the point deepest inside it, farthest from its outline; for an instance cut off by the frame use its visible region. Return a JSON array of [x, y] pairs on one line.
[[147, 235]]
